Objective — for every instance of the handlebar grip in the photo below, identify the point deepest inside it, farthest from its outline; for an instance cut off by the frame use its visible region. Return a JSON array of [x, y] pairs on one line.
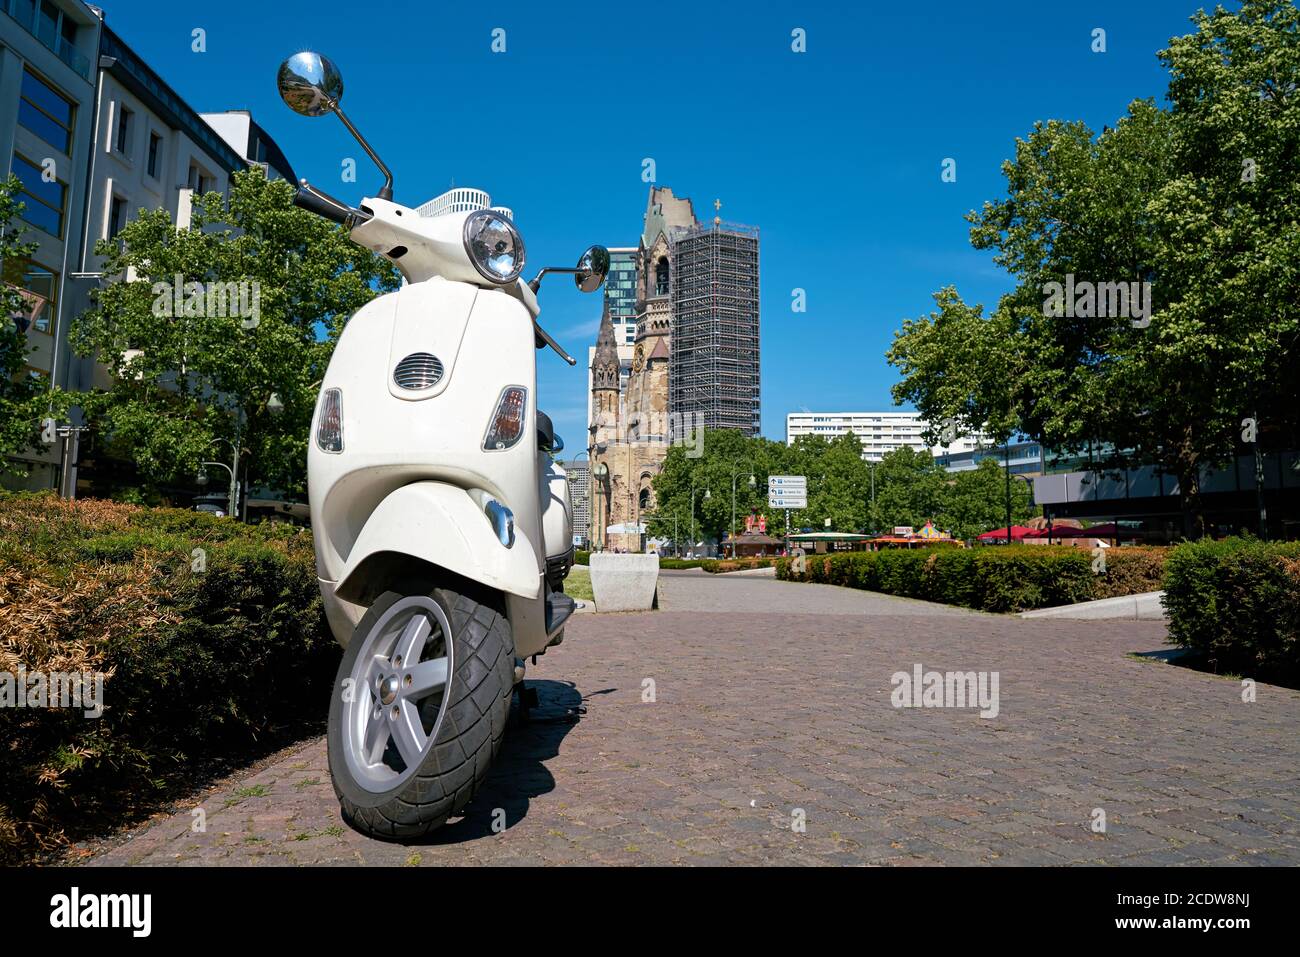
[[314, 201]]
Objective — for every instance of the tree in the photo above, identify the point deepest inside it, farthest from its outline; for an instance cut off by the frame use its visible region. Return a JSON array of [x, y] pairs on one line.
[[23, 398], [726, 454], [910, 489], [974, 501], [204, 326], [1199, 201]]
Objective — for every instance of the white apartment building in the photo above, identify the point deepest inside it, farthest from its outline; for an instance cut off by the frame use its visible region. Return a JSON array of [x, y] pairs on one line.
[[879, 432], [253, 144], [95, 134], [150, 150]]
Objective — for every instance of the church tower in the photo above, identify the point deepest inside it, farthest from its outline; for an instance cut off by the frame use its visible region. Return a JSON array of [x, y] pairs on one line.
[[604, 385]]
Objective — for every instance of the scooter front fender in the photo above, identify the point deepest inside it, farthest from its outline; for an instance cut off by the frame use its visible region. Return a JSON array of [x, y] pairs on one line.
[[442, 525]]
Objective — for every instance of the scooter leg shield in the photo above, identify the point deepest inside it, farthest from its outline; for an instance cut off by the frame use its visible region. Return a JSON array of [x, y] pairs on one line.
[[442, 525]]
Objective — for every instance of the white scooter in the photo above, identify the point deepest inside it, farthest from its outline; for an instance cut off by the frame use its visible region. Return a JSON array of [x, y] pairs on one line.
[[442, 524]]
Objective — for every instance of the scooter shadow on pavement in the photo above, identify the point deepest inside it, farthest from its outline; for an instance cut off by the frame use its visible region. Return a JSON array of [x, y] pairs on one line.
[[519, 773]]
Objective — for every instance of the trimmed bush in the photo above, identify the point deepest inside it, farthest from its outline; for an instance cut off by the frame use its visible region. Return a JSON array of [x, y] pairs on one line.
[[1014, 578], [1131, 571], [1236, 602], [723, 565], [209, 636], [581, 557]]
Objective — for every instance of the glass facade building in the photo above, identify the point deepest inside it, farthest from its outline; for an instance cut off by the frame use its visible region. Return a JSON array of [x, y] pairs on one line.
[[620, 293]]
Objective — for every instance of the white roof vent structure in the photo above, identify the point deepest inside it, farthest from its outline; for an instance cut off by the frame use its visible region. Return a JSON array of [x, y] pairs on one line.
[[461, 200]]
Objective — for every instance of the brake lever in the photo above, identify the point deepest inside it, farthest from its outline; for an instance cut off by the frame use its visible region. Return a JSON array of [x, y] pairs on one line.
[[546, 338]]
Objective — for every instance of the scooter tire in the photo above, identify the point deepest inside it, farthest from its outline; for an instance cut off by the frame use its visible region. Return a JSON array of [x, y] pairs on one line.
[[467, 739]]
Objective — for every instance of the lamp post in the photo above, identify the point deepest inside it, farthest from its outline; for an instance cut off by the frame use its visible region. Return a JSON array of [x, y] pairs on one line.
[[1028, 485], [1006, 467], [753, 483], [232, 497], [708, 494], [599, 472], [872, 516]]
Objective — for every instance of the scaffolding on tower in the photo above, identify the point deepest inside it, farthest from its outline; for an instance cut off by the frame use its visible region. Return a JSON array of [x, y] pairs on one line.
[[714, 365]]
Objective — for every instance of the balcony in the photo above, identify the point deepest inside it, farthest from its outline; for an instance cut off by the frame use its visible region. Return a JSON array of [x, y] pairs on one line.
[[36, 19]]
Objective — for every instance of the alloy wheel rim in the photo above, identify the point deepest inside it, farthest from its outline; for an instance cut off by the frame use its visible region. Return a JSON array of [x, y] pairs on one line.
[[396, 700]]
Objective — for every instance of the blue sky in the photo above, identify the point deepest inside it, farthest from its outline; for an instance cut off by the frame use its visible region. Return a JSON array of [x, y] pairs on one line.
[[834, 153]]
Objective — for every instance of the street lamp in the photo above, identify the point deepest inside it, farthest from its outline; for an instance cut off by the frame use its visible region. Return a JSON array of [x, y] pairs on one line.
[[1006, 467], [708, 494], [600, 472], [202, 479], [753, 483]]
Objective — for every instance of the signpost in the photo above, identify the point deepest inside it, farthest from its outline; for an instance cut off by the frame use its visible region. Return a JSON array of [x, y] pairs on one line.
[[787, 492]]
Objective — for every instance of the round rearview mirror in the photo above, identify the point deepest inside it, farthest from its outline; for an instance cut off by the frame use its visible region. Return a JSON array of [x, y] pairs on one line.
[[309, 84], [593, 267]]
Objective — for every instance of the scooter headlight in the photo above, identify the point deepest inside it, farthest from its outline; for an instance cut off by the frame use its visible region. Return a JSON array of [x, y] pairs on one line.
[[494, 246]]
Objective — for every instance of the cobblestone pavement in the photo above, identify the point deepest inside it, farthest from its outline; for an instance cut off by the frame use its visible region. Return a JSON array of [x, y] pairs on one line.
[[772, 707]]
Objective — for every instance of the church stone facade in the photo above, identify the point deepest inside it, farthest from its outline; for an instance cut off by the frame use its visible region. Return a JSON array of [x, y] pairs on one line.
[[630, 431]]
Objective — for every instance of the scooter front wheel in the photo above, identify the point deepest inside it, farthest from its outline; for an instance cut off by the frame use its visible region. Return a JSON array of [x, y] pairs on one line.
[[419, 710]]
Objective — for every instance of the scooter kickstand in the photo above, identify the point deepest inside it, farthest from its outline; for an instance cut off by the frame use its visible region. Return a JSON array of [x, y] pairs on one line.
[[527, 702]]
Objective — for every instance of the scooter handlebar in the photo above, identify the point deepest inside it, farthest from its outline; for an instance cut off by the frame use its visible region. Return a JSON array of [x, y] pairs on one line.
[[308, 197]]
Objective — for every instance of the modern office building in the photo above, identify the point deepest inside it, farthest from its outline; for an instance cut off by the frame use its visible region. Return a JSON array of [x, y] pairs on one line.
[[880, 432], [714, 357], [620, 293], [579, 472], [1022, 458], [1146, 502], [48, 50]]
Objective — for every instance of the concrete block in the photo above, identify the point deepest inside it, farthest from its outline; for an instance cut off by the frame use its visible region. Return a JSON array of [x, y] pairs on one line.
[[623, 582]]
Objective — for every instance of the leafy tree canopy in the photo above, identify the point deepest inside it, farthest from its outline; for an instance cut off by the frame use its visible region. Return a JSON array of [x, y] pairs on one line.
[[1200, 199], [203, 326], [909, 489]]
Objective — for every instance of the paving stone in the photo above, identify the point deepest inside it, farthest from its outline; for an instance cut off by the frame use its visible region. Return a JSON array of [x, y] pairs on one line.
[[773, 696]]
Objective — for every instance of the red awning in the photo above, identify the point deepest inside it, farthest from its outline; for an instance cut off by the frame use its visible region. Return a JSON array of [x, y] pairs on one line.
[[1000, 534], [1060, 531]]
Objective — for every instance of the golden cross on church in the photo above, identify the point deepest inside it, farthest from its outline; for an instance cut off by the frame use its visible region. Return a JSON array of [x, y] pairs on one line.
[[717, 205]]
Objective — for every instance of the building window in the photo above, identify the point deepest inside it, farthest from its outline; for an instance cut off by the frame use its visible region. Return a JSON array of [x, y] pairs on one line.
[[43, 202], [661, 276], [44, 111], [155, 145], [122, 140], [644, 500], [33, 277], [199, 181], [116, 216]]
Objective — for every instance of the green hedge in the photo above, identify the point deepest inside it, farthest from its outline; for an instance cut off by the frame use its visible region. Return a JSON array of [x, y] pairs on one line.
[[1013, 578], [207, 656], [723, 565], [1236, 602], [584, 558], [1131, 571]]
